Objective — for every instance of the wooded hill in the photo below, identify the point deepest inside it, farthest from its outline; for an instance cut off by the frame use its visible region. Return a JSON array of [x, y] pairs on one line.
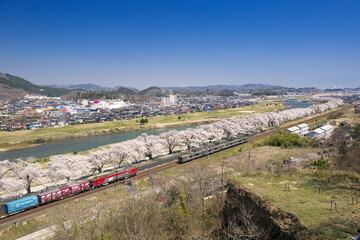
[[11, 83]]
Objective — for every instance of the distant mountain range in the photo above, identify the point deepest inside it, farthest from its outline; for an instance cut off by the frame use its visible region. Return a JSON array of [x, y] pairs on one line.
[[228, 87], [16, 87], [97, 88], [89, 87]]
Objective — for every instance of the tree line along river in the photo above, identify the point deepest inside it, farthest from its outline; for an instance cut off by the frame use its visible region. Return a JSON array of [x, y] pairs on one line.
[[89, 142], [79, 144]]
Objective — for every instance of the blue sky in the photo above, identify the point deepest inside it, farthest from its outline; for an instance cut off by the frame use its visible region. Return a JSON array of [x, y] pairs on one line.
[[181, 43]]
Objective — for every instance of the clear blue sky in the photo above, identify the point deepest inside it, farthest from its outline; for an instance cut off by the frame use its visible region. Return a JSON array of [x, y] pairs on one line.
[[180, 43]]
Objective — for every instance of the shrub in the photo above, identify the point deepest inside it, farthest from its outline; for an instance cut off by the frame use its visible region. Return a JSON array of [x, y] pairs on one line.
[[321, 164], [288, 140]]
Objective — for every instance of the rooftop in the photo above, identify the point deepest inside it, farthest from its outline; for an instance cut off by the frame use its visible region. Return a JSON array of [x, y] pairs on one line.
[[327, 127], [293, 129], [304, 125]]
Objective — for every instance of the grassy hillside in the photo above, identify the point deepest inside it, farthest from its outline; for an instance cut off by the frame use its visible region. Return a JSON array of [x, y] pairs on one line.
[[20, 83], [309, 196]]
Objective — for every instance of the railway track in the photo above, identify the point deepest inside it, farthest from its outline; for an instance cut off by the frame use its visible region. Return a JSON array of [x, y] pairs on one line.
[[39, 210]]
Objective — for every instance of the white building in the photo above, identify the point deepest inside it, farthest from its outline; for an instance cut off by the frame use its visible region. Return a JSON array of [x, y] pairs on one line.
[[39, 97], [109, 104], [295, 130], [328, 129], [317, 133], [304, 129], [167, 101], [324, 131], [173, 99]]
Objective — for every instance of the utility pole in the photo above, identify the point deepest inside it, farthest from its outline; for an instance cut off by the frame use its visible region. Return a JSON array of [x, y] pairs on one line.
[[152, 180], [249, 161]]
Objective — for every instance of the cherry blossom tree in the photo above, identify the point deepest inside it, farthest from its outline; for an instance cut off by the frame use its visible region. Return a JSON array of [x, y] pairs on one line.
[[98, 159], [172, 139], [152, 145], [189, 138], [120, 154], [136, 150], [68, 166], [11, 185], [5, 167], [25, 173]]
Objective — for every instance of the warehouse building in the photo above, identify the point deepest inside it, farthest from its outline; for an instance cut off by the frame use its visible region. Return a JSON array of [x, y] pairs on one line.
[[295, 130], [328, 129], [322, 132], [302, 129]]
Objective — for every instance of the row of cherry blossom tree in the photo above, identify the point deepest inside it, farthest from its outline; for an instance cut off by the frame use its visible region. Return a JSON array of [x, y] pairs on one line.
[[69, 167]]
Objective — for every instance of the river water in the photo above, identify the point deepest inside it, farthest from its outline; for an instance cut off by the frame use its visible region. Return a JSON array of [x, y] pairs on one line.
[[294, 103], [79, 144]]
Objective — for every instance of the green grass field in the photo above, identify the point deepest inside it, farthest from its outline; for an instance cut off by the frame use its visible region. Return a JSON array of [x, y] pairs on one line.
[[313, 208]]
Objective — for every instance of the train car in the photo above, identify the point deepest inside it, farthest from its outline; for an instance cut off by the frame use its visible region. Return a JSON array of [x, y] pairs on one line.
[[50, 196], [112, 178], [63, 192], [21, 204], [84, 186], [211, 149], [75, 188], [66, 191]]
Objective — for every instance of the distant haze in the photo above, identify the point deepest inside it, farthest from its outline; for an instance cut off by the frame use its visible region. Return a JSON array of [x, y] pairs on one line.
[[138, 44]]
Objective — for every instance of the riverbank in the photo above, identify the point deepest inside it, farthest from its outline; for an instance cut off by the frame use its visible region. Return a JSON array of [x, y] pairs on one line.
[[31, 138]]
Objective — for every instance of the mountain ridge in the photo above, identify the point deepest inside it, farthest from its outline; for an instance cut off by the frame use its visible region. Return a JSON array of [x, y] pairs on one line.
[[249, 86]]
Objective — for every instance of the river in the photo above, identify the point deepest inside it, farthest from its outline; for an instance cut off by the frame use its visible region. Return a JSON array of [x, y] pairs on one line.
[[294, 103], [79, 144]]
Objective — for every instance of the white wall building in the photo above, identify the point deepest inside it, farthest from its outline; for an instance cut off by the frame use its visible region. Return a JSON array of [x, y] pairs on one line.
[[324, 131], [328, 129], [317, 133], [109, 104], [167, 101], [304, 129], [295, 130]]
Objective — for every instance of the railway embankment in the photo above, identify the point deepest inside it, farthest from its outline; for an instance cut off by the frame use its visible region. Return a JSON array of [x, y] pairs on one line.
[[247, 214]]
